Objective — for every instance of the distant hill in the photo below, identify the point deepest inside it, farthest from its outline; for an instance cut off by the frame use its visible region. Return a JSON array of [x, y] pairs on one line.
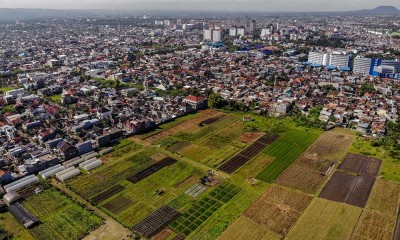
[[381, 10], [386, 9]]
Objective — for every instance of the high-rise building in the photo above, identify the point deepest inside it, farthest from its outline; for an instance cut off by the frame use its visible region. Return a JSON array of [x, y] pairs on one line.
[[365, 66], [217, 35], [339, 60], [253, 26], [318, 58], [207, 34], [213, 35], [241, 31], [233, 31]]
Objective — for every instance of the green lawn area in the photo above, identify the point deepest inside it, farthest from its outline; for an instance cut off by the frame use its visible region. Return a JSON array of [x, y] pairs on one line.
[[286, 150]]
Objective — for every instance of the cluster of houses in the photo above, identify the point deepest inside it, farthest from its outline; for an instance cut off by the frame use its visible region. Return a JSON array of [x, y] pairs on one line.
[[68, 96]]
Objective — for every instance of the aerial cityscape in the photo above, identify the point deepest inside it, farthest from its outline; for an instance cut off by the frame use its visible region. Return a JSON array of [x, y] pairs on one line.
[[171, 120]]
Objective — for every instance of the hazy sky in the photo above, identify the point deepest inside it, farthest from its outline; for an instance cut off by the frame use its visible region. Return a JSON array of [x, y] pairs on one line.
[[262, 5]]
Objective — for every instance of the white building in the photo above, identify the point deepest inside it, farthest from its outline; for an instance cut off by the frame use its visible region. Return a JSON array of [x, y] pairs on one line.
[[213, 35], [233, 31], [241, 31], [329, 59], [339, 60], [217, 35], [207, 34], [265, 32], [318, 58], [362, 65]]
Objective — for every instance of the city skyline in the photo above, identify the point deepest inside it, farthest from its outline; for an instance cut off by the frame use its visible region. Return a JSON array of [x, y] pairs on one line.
[[251, 5]]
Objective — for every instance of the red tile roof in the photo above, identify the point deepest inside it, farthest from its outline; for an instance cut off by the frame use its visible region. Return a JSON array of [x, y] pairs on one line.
[[194, 98]]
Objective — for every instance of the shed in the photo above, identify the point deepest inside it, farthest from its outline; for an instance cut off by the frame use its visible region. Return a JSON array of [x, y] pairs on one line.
[[11, 198]]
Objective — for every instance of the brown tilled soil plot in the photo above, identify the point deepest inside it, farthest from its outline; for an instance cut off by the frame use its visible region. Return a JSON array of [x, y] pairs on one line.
[[306, 173], [248, 137], [278, 209], [346, 188], [207, 114], [164, 234], [360, 164]]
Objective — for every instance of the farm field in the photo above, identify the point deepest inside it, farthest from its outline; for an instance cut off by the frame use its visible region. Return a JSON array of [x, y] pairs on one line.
[[360, 164], [247, 154], [326, 219], [220, 140], [286, 150], [191, 124], [227, 214], [390, 168], [278, 209], [110, 174], [151, 184], [378, 220], [169, 125], [346, 188], [385, 197], [375, 225], [60, 218], [307, 172], [137, 200], [203, 209], [244, 228]]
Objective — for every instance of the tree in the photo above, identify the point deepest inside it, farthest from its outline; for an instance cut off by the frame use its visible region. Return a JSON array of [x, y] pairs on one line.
[[366, 88], [215, 101]]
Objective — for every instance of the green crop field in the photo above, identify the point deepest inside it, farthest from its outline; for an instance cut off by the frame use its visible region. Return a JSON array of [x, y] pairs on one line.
[[110, 174], [60, 217], [286, 150], [143, 196], [202, 210]]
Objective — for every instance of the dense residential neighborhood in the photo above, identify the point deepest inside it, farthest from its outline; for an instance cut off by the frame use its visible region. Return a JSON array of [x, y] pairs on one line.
[[72, 90]]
